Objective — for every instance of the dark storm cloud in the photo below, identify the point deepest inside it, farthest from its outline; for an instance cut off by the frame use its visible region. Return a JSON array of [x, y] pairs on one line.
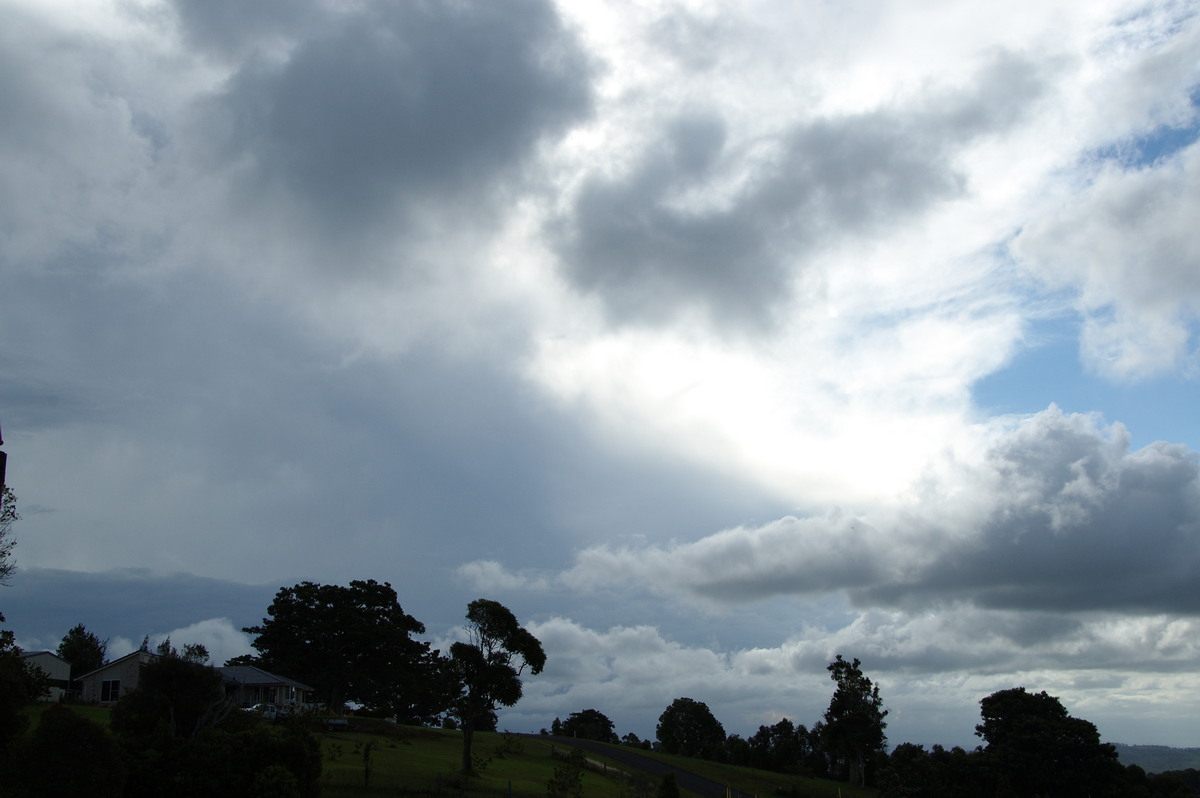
[[400, 105], [630, 239], [1079, 523], [130, 602]]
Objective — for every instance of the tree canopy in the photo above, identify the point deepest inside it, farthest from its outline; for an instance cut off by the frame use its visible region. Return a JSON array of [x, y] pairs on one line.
[[688, 728], [485, 672], [351, 643], [854, 720], [1035, 746], [83, 649], [589, 724]]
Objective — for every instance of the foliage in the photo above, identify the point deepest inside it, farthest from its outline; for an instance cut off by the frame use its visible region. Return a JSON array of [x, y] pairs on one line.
[[351, 643], [590, 724], [668, 788], [485, 673], [195, 653], [1034, 746], [8, 516], [854, 720], [20, 684], [783, 748], [84, 650], [232, 764], [688, 728], [67, 755], [174, 697], [567, 781]]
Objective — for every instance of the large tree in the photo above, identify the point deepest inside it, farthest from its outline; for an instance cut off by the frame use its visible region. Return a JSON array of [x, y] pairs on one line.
[[350, 643], [485, 671], [1035, 748], [854, 720], [688, 728], [83, 649]]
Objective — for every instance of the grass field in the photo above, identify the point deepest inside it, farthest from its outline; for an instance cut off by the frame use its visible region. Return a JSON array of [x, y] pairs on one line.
[[415, 761]]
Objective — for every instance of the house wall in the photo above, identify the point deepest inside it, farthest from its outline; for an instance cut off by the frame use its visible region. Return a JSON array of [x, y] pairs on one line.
[[58, 669], [124, 670]]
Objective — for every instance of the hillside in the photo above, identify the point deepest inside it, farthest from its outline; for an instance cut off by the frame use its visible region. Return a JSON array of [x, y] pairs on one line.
[[1158, 758]]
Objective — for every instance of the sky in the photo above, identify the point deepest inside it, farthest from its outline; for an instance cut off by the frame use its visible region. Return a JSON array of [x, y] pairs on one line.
[[713, 339]]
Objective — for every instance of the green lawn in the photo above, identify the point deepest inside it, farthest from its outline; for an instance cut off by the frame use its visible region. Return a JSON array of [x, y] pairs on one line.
[[98, 714], [416, 761]]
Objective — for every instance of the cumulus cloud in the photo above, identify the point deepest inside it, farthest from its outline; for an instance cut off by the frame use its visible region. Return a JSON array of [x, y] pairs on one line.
[[220, 637], [1059, 516]]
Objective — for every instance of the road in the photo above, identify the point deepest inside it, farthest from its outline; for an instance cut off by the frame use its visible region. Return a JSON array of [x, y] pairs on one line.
[[632, 759]]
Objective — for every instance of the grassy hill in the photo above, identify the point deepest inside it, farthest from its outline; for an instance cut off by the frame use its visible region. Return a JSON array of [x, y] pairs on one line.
[[415, 761]]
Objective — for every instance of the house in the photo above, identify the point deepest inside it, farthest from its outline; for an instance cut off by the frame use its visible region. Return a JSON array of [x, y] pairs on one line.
[[250, 685], [109, 682], [55, 667]]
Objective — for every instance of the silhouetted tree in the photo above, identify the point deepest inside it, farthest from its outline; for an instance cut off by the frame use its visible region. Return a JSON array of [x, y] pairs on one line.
[[688, 727], [590, 724], [1034, 747], [486, 670], [350, 643], [854, 720], [84, 650]]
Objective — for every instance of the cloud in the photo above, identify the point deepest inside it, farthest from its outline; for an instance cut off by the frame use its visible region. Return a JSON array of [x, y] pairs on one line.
[[706, 220], [376, 120], [1045, 523], [1127, 242], [1115, 228], [124, 605]]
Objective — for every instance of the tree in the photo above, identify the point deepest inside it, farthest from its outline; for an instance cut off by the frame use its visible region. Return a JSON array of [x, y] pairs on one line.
[[84, 650], [782, 748], [590, 724], [854, 720], [567, 781], [174, 695], [1035, 747], [688, 728], [350, 643], [67, 755], [8, 517], [486, 671]]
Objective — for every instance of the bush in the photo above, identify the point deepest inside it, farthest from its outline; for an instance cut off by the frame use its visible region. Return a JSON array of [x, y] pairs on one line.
[[67, 754]]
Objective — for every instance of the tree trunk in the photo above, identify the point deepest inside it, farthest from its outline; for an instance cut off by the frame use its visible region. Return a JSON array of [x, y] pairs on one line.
[[468, 732]]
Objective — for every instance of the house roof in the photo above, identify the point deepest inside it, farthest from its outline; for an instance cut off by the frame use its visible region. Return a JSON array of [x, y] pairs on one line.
[[28, 654], [145, 656], [249, 674]]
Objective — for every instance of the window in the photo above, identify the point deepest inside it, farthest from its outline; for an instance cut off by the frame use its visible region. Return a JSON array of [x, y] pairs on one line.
[[110, 690]]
